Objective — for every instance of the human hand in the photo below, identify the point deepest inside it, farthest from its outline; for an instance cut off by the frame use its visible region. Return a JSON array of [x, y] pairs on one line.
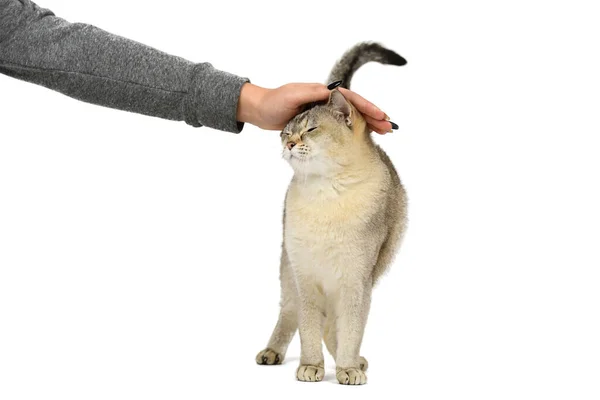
[[271, 109]]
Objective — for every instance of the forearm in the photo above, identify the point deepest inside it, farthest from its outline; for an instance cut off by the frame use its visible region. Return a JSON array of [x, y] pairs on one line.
[[95, 66], [250, 104]]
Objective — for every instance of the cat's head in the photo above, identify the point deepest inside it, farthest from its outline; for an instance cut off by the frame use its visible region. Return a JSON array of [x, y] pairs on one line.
[[319, 141]]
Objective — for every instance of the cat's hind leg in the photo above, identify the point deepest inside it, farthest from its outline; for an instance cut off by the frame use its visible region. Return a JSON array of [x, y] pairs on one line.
[[287, 323]]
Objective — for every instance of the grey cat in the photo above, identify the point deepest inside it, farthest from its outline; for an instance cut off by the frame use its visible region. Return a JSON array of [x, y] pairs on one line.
[[345, 215]]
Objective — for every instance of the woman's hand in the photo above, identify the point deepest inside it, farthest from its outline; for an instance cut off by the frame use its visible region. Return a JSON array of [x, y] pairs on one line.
[[272, 109]]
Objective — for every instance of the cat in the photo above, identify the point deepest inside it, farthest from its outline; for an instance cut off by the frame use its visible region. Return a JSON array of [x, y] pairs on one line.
[[344, 218]]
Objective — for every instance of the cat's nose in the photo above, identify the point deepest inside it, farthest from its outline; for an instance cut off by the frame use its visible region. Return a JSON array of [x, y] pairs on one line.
[[290, 145]]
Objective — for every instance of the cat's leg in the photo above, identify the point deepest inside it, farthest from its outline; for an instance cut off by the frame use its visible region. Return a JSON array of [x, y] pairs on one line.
[[330, 338], [310, 323], [330, 333], [287, 322], [352, 310]]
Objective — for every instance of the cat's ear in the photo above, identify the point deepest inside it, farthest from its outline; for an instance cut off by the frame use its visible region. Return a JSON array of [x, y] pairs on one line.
[[340, 106]]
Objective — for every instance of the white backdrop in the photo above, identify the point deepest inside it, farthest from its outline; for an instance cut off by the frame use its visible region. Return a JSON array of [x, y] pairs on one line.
[[139, 257]]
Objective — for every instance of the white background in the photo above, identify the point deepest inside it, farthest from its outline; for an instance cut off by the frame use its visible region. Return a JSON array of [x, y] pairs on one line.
[[139, 257]]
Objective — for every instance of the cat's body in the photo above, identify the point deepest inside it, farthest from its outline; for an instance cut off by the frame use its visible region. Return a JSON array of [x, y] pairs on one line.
[[345, 213]]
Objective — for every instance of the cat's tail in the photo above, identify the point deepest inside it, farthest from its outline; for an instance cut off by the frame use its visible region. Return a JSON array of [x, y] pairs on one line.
[[358, 56]]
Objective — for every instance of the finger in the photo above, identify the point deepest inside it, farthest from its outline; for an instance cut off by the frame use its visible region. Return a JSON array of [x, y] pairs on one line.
[[376, 130], [308, 92], [378, 126], [364, 106]]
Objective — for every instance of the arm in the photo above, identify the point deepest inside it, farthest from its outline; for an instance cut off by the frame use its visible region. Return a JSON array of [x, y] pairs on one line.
[[94, 66]]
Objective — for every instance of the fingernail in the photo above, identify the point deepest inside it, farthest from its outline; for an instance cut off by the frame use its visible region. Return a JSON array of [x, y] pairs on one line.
[[333, 85], [386, 117], [394, 125]]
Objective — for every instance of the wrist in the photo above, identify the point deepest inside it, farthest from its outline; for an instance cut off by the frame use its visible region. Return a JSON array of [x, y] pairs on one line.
[[249, 103]]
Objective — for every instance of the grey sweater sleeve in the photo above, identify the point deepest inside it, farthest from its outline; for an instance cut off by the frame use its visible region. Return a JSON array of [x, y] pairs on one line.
[[95, 66]]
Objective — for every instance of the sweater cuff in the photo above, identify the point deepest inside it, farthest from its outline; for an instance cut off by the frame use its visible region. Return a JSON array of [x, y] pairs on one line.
[[213, 99]]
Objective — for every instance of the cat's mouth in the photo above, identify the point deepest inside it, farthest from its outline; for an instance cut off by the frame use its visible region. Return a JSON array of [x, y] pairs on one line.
[[291, 155], [298, 157]]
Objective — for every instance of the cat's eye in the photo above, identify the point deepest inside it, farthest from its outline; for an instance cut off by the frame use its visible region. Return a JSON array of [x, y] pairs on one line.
[[311, 129]]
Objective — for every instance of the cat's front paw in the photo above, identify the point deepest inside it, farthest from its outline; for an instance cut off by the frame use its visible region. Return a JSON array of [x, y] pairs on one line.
[[268, 357], [310, 373], [351, 376]]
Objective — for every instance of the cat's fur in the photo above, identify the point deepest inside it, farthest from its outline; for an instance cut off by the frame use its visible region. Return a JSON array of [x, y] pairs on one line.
[[345, 214]]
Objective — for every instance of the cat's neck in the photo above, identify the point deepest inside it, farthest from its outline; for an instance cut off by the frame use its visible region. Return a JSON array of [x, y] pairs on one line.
[[343, 180]]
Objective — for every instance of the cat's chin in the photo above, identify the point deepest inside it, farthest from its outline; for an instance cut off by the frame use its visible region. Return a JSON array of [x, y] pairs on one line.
[[307, 168], [300, 166], [296, 163]]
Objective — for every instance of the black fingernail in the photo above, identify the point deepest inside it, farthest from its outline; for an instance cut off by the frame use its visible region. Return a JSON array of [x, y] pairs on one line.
[[394, 125], [333, 85]]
